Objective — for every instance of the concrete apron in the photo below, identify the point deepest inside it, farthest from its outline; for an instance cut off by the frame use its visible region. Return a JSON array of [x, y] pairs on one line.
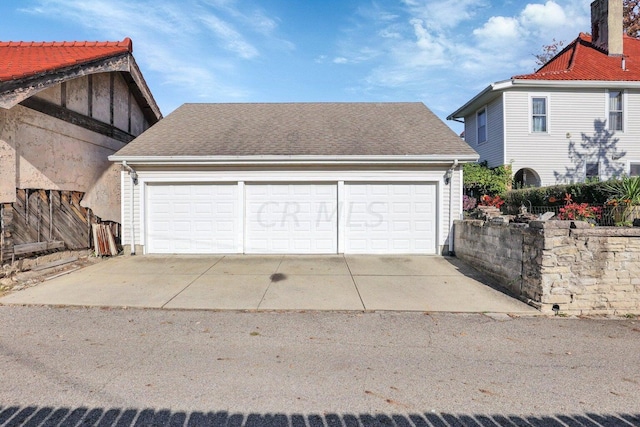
[[276, 282]]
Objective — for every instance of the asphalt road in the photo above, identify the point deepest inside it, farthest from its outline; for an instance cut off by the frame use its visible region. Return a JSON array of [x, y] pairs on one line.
[[99, 367]]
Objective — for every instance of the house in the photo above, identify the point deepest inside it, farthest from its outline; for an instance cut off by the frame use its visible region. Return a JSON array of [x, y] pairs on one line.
[[294, 178], [64, 108], [571, 120]]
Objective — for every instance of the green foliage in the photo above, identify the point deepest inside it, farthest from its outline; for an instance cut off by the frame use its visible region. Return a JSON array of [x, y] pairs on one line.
[[593, 193], [579, 211], [480, 179], [624, 191]]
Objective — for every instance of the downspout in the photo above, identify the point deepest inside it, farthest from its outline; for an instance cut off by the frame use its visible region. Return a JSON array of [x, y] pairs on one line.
[[450, 176], [134, 181]]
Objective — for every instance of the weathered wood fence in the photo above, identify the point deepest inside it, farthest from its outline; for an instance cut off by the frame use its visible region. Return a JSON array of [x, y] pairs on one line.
[[42, 220]]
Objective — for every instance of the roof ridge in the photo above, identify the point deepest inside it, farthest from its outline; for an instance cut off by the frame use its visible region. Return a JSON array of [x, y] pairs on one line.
[[124, 43], [574, 52]]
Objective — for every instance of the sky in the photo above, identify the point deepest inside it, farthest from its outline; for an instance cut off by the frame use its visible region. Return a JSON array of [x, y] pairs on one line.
[[439, 52]]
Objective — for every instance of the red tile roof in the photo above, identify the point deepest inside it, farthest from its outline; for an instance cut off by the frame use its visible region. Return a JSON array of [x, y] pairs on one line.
[[581, 60], [24, 59]]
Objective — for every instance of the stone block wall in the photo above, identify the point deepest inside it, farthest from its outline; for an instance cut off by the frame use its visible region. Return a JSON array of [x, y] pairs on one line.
[[582, 269], [493, 247]]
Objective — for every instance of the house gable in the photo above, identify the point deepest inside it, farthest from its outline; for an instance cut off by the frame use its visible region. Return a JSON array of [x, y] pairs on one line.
[[586, 99], [65, 108]]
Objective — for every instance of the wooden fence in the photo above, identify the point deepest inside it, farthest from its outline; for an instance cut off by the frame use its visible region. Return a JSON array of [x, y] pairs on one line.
[[48, 219]]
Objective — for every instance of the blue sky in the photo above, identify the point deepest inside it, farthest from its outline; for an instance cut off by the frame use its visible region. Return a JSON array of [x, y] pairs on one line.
[[440, 52]]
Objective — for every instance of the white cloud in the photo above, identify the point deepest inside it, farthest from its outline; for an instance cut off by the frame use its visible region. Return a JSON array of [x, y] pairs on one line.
[[543, 16], [427, 43], [446, 13], [498, 31], [229, 37]]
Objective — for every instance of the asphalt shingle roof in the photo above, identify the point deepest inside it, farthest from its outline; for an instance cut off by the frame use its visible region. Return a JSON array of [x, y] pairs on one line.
[[581, 60], [298, 129], [24, 59]]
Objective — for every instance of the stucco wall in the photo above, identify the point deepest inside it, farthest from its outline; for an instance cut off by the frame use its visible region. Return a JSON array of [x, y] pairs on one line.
[[7, 157], [38, 151], [582, 269], [51, 154]]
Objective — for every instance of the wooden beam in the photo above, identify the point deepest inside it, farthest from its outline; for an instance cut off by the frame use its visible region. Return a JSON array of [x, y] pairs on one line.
[[28, 248], [14, 91], [53, 110], [55, 263]]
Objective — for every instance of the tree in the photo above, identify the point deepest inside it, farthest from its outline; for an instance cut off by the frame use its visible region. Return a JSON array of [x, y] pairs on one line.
[[631, 17], [548, 52], [630, 24]]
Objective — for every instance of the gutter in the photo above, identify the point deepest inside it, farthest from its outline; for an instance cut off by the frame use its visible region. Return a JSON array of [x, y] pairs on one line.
[[257, 160], [506, 84], [134, 181]]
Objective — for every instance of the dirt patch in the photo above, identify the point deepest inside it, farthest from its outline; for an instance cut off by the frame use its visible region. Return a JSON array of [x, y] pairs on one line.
[[17, 276]]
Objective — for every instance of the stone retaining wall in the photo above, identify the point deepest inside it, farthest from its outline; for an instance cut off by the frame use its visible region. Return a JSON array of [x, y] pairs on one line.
[[582, 269]]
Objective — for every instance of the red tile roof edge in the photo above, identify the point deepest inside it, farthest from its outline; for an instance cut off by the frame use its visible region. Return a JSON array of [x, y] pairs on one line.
[[25, 59], [582, 60], [126, 43]]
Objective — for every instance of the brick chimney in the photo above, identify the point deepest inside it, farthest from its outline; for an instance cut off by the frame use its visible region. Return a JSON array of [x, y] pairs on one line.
[[606, 26]]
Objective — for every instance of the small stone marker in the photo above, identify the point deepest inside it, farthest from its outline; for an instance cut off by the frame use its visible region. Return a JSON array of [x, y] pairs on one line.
[[547, 216]]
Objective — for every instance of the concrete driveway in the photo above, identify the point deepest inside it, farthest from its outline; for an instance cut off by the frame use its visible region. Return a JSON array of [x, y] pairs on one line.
[[244, 282]]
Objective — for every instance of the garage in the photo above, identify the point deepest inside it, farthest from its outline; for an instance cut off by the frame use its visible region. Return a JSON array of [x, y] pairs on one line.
[[192, 218], [390, 218], [291, 218], [293, 178]]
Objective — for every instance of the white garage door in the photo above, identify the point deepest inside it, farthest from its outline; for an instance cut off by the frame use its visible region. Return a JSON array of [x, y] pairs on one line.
[[291, 218], [192, 218], [390, 218]]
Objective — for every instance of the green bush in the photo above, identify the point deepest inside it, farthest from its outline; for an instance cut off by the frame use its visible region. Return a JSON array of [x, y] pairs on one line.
[[593, 193], [479, 179]]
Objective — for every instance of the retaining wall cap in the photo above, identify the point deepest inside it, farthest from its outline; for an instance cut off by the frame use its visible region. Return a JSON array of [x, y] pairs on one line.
[[580, 224], [552, 224], [607, 232]]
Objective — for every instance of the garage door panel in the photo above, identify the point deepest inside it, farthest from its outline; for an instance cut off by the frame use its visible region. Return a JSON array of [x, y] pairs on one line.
[[390, 218], [291, 218], [192, 218]]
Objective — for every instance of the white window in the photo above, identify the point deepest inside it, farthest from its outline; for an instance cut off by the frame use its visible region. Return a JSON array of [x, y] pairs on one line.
[[539, 114], [634, 169], [616, 110], [481, 121], [592, 171]]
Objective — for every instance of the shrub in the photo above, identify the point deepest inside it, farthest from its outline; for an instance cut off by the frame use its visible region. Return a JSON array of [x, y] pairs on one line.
[[469, 202], [481, 179], [487, 200], [579, 211], [625, 191], [592, 193]]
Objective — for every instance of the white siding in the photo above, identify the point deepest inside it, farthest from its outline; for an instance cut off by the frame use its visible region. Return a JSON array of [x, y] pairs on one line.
[[630, 141], [470, 133], [559, 155], [433, 175], [126, 211], [493, 149]]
